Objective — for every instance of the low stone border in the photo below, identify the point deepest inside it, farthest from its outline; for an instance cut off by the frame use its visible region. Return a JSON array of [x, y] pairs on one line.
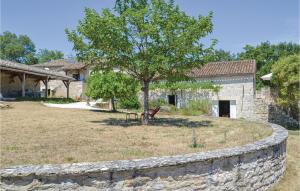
[[255, 166]]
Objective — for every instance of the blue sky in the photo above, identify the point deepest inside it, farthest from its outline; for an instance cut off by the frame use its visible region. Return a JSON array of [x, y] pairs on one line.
[[236, 22]]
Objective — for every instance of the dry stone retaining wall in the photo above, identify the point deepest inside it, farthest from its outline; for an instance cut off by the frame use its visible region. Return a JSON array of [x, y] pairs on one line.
[[256, 166]]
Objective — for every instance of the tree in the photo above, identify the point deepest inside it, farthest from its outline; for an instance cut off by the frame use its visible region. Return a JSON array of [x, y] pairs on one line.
[[266, 54], [111, 85], [286, 78], [148, 39], [45, 55], [17, 48], [222, 55]]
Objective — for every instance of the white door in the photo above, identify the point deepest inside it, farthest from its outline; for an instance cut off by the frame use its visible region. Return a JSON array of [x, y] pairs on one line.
[[215, 108], [232, 109]]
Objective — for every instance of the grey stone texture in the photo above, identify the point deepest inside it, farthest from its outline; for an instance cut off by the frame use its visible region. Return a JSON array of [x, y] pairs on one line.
[[255, 166], [240, 89], [267, 110]]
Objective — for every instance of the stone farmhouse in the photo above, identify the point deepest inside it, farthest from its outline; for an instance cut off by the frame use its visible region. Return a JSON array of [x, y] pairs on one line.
[[236, 98], [77, 70]]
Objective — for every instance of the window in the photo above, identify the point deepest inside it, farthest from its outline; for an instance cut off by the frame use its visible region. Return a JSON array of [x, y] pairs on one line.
[[76, 76]]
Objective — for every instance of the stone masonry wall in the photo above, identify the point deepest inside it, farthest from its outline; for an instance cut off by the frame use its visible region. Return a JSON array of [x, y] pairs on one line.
[[58, 89], [266, 109], [240, 89], [256, 166], [12, 86]]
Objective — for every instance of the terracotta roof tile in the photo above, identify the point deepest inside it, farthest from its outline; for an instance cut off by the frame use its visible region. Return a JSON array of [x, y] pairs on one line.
[[62, 64], [226, 68], [17, 67]]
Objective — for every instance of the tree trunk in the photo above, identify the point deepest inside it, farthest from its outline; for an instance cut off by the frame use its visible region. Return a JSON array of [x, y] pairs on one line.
[[112, 101], [146, 106]]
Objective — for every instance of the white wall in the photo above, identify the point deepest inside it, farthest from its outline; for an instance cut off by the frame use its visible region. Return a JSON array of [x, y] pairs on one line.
[[239, 90]]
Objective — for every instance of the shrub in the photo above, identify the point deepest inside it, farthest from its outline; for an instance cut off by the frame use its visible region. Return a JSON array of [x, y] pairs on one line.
[[197, 107], [195, 143], [157, 103], [130, 103]]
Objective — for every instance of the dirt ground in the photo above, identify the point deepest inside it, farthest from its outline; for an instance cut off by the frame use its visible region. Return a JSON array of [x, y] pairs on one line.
[[32, 133]]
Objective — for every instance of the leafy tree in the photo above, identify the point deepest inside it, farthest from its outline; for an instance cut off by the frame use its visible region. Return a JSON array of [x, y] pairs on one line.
[[148, 39], [45, 55], [286, 79], [111, 85], [266, 54], [17, 48], [184, 85], [222, 55]]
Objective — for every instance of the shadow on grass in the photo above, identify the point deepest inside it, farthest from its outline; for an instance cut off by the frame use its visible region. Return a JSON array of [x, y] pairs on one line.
[[165, 122]]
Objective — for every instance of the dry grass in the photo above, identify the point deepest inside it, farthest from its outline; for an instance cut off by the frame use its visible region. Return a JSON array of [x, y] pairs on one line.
[[32, 134], [291, 179]]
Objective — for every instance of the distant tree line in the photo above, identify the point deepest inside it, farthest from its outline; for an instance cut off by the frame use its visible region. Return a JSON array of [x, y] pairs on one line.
[[21, 49], [265, 54]]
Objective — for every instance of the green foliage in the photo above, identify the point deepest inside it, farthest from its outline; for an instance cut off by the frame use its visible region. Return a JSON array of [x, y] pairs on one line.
[[157, 103], [45, 55], [222, 55], [17, 48], [266, 55], [148, 39], [286, 79], [111, 85], [130, 103], [195, 143], [197, 107], [184, 85]]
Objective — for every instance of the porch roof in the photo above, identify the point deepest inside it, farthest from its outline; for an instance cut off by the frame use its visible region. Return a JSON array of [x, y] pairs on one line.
[[14, 67]]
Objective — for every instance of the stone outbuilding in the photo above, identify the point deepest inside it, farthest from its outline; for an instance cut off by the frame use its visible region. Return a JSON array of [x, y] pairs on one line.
[[20, 80], [237, 94], [77, 70]]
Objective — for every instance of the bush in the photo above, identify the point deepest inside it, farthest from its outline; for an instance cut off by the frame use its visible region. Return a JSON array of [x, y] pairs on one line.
[[157, 103], [197, 107], [130, 103]]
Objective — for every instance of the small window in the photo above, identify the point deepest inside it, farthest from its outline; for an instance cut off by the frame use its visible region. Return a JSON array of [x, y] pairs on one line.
[[76, 76]]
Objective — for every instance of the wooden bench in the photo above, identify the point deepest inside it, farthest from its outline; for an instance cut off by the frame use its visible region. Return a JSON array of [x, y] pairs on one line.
[[128, 114]]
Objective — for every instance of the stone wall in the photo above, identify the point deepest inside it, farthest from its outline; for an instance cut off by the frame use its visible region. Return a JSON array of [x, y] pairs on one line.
[[58, 89], [240, 89], [266, 109], [11, 86], [278, 116], [256, 166]]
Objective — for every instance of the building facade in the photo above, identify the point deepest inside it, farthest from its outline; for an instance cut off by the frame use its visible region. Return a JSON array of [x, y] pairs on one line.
[[71, 68], [236, 97]]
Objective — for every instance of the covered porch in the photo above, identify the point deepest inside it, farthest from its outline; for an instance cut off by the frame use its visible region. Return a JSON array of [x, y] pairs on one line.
[[19, 80]]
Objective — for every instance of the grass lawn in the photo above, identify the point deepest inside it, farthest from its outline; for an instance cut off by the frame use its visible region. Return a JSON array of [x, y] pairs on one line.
[[33, 134], [291, 179]]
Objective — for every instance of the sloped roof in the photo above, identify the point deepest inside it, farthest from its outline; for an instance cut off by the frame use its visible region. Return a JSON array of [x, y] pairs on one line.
[[29, 69], [225, 68], [62, 64]]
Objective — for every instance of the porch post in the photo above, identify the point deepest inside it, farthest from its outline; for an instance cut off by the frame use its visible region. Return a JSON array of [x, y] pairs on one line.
[[68, 85], [23, 84], [46, 87]]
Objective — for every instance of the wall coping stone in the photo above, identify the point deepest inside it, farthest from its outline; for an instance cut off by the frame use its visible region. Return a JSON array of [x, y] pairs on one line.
[[279, 135]]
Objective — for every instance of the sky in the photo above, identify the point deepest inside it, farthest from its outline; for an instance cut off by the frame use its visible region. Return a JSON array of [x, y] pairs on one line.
[[236, 22]]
